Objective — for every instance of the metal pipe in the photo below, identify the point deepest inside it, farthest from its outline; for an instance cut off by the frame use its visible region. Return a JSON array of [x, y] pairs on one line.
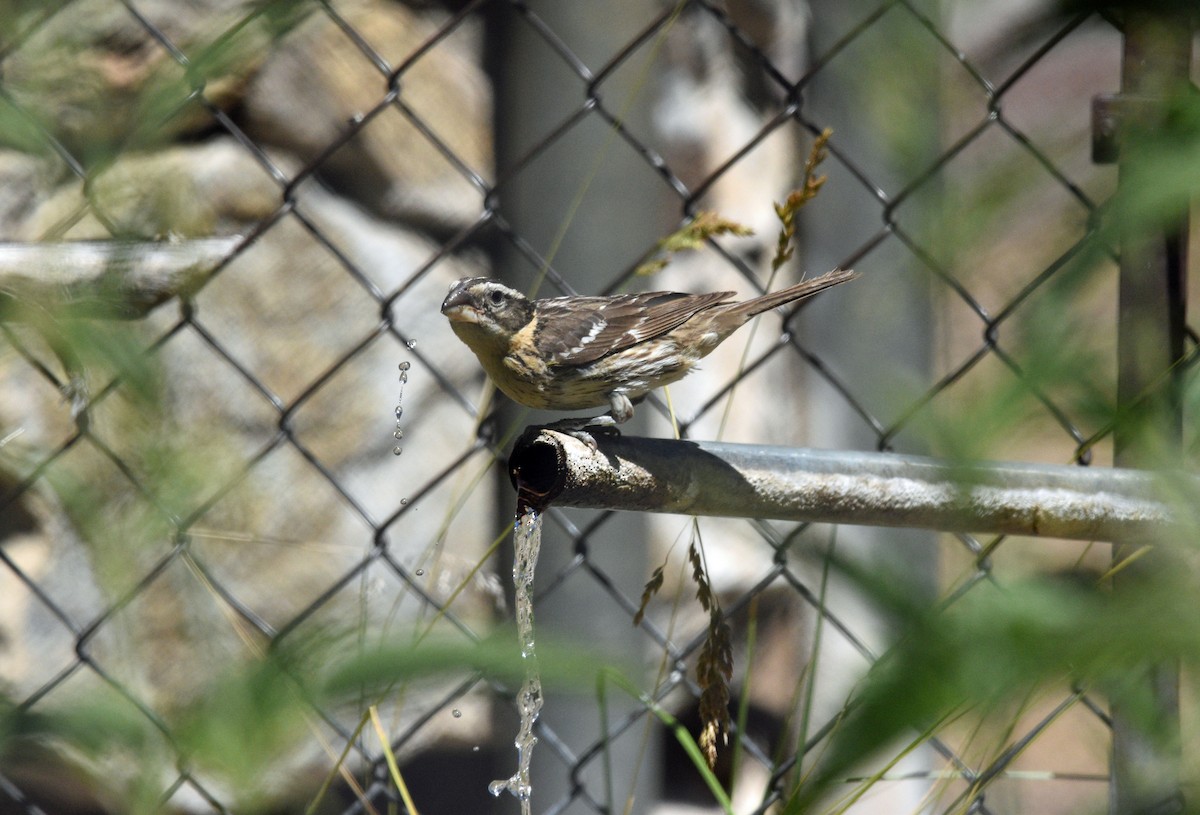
[[873, 489]]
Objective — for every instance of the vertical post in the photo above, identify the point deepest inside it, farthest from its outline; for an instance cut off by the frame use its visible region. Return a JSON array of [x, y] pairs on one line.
[[1150, 333], [571, 202], [892, 316]]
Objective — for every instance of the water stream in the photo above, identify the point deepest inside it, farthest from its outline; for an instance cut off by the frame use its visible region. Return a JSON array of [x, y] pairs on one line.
[[527, 539]]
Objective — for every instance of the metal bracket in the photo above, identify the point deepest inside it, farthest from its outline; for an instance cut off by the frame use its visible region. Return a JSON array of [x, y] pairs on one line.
[[1112, 114]]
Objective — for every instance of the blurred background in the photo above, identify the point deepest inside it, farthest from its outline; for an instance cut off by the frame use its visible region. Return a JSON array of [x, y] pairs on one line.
[[219, 502]]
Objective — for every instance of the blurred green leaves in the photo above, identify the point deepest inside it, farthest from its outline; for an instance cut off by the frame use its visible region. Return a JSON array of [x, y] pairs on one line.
[[995, 649], [253, 714], [1161, 163], [99, 83]]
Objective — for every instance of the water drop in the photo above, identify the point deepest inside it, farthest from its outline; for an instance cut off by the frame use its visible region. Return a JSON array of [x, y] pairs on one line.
[[404, 366], [403, 377], [497, 787], [397, 450], [399, 433], [403, 502], [420, 572], [399, 411], [456, 713], [411, 344]]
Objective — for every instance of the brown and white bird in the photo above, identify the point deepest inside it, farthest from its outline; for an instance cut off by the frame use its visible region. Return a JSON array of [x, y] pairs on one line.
[[575, 352]]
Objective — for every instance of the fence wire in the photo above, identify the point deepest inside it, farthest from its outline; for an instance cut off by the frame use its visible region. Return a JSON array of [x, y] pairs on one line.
[[241, 493]]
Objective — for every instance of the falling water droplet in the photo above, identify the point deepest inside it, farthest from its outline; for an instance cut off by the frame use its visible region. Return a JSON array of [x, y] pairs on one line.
[[456, 713], [397, 450], [399, 433], [403, 502], [411, 344], [420, 572]]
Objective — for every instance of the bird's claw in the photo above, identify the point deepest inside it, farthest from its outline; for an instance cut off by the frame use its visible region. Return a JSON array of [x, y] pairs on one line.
[[578, 428]]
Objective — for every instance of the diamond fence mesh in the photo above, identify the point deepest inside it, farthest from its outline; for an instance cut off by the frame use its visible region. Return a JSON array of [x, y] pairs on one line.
[[220, 479]]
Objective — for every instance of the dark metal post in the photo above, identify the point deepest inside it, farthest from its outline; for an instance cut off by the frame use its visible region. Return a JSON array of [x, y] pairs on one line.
[[1156, 63], [570, 195], [892, 315]]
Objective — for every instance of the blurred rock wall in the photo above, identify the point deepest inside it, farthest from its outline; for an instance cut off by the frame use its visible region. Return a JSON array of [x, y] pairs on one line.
[[259, 428], [238, 481]]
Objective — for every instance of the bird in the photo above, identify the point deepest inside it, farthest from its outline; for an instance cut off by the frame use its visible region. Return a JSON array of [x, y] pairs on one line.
[[578, 352]]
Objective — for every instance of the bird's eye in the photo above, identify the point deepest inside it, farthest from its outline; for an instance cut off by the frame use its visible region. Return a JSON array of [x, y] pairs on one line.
[[496, 296]]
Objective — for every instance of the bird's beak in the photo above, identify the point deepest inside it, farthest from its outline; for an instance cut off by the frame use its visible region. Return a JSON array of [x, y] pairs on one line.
[[458, 306]]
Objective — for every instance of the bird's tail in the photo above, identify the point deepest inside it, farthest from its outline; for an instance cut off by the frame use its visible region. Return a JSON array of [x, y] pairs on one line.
[[799, 291]]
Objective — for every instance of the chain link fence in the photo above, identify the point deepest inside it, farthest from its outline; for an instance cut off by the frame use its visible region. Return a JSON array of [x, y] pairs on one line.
[[220, 478]]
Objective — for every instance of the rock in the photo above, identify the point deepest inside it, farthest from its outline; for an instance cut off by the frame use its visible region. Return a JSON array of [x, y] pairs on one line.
[[316, 84], [96, 79]]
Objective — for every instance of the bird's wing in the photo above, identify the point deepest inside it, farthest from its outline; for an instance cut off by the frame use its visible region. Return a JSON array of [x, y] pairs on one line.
[[576, 331]]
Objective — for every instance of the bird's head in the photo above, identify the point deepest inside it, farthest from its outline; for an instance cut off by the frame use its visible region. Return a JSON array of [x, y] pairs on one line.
[[485, 314]]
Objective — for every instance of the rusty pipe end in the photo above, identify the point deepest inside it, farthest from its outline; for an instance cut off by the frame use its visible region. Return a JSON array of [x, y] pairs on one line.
[[537, 467]]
